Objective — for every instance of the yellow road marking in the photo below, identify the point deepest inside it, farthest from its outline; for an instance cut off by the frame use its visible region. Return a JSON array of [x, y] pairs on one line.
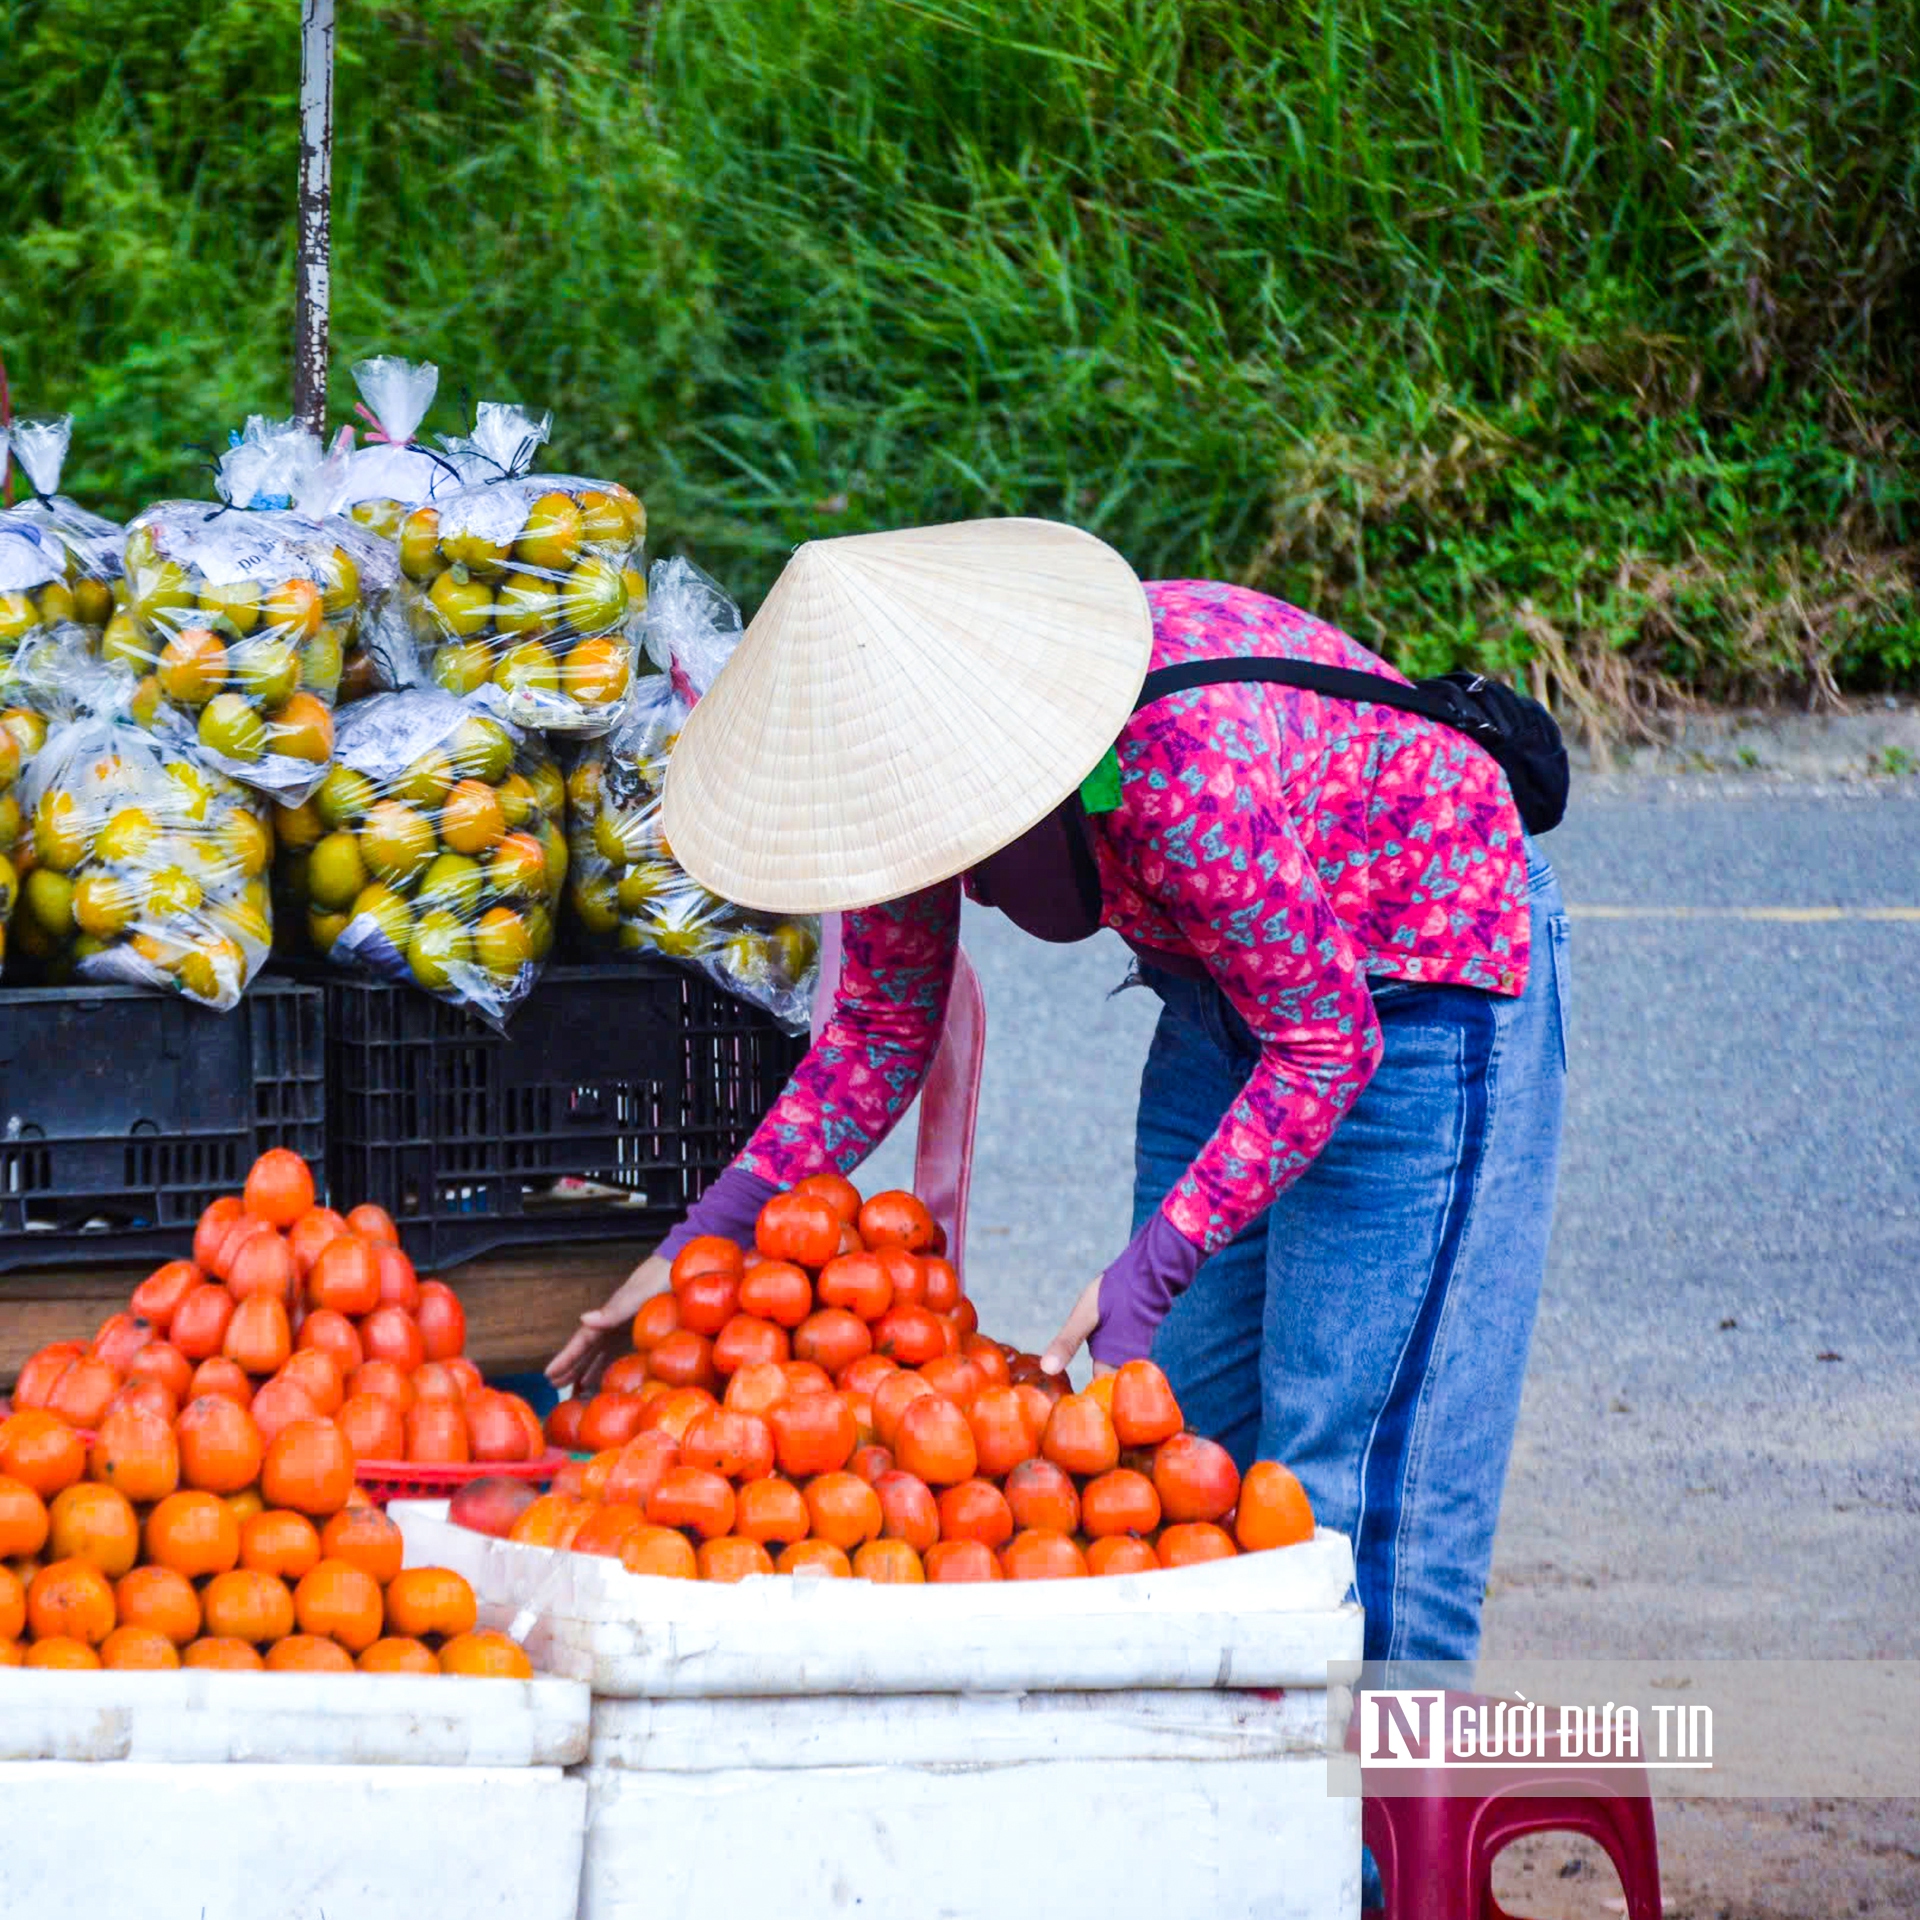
[[1793, 916]]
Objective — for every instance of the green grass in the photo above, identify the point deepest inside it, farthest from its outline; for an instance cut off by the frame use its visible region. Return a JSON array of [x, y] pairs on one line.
[[1586, 334]]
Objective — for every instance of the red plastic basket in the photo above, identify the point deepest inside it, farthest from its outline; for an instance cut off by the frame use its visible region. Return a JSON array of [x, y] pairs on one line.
[[386, 1480]]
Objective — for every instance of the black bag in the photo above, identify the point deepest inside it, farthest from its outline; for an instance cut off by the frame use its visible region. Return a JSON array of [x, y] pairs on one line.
[[1519, 732]]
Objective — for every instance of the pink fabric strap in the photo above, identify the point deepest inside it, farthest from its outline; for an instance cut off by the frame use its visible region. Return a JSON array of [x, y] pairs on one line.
[[950, 1110], [949, 1097]]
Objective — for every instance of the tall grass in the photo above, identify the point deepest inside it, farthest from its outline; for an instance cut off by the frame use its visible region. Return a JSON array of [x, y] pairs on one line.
[[1580, 333]]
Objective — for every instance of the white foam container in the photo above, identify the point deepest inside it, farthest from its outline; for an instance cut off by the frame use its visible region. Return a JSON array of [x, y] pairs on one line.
[[1131, 1806], [304, 1796], [1262, 1620], [1047, 1748]]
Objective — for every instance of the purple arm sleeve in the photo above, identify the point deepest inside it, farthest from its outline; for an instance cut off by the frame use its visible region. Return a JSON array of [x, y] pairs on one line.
[[729, 1208], [1137, 1290]]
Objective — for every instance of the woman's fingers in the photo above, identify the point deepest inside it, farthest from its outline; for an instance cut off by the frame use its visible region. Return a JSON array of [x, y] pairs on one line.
[[1075, 1334], [584, 1358], [565, 1365]]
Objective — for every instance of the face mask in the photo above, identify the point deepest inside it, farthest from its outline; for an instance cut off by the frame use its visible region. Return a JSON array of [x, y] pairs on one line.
[[1045, 882]]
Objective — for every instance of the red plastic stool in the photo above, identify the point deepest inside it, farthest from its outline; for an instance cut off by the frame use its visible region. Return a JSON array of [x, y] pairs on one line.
[[1436, 1852]]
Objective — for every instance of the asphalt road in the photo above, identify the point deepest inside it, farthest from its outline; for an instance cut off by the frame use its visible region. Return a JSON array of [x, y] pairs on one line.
[[1738, 1199]]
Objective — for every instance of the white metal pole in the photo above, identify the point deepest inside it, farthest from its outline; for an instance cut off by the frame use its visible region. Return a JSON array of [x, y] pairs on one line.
[[315, 214]]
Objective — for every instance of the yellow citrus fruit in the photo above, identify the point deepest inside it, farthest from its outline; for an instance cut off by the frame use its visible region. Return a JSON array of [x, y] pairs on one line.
[[231, 725], [339, 584], [644, 883], [104, 905], [125, 643], [322, 660], [593, 597], [518, 866], [464, 606], [518, 801], [267, 671], [502, 944], [597, 672], [130, 834], [92, 601], [419, 544], [527, 667], [526, 606], [603, 520], [173, 894], [387, 911], [396, 842], [345, 796], [59, 831], [471, 819], [294, 609], [159, 592], [594, 903], [247, 841], [27, 727], [481, 749], [439, 945], [452, 884], [424, 783], [323, 929], [18, 617], [302, 730], [551, 535], [549, 790], [237, 602], [299, 828], [193, 666], [190, 792], [49, 899]]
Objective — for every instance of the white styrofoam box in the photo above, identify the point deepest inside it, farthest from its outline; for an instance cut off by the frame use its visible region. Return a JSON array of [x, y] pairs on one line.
[[957, 1729], [1271, 1619], [337, 1719], [1134, 1806], [296, 1842]]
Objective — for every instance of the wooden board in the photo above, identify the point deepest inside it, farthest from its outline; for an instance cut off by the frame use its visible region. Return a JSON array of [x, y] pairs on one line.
[[520, 1306]]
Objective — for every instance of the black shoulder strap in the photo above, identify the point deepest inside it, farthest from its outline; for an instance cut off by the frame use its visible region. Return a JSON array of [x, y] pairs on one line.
[[1341, 683]]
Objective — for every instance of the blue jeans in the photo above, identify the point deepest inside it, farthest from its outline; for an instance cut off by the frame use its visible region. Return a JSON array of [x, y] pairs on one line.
[[1371, 1329]]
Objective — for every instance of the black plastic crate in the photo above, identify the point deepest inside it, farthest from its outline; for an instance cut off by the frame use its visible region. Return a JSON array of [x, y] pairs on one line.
[[636, 1077], [135, 1109]]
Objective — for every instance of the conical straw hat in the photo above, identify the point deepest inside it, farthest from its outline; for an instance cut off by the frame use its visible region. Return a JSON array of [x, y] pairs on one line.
[[903, 705]]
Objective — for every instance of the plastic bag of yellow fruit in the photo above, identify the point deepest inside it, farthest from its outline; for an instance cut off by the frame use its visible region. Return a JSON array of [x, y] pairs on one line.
[[142, 866], [17, 745], [627, 895], [520, 593], [380, 483], [236, 629], [77, 578], [433, 853]]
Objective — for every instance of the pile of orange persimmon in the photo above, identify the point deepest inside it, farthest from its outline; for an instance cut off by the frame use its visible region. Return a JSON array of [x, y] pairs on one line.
[[294, 1312], [180, 1491], [195, 1542], [829, 1406]]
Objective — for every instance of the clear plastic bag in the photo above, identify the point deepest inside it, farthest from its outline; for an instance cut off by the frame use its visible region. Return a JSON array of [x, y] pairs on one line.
[[381, 482], [142, 866], [433, 852], [17, 746], [84, 545], [627, 895], [237, 624], [521, 592]]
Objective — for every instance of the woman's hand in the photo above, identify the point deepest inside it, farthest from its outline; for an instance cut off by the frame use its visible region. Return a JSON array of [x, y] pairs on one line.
[[580, 1363], [1075, 1335]]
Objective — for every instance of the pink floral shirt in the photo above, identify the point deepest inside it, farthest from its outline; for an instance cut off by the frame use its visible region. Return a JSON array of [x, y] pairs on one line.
[[1297, 846]]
